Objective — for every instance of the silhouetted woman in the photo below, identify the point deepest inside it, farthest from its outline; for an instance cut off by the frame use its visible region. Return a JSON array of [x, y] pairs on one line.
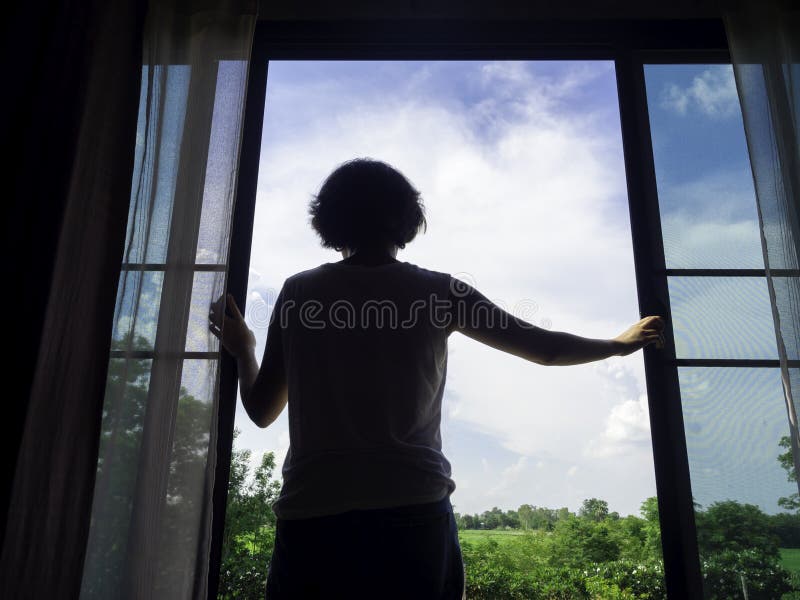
[[358, 349]]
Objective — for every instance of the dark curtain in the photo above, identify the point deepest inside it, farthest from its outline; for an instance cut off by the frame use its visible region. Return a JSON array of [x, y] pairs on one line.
[[72, 73]]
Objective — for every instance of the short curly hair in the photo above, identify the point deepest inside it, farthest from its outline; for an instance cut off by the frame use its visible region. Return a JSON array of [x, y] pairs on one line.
[[366, 203]]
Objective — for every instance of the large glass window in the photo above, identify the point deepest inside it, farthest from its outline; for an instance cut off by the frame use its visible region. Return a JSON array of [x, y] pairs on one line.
[[731, 394], [156, 459]]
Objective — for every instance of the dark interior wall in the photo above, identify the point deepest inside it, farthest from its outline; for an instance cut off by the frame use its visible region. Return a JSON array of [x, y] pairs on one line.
[[487, 9]]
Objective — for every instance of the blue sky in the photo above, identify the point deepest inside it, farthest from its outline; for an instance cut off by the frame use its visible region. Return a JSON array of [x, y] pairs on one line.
[[520, 166], [704, 180]]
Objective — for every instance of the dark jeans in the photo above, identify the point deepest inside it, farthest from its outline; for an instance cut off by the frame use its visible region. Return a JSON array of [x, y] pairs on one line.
[[409, 552]]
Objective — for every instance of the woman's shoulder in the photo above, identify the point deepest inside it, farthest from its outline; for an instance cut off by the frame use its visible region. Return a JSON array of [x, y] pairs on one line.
[[329, 273], [427, 272], [329, 267], [306, 273]]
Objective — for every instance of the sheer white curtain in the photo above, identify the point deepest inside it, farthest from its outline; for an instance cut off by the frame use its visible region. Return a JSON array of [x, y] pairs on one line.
[[764, 40], [151, 513]]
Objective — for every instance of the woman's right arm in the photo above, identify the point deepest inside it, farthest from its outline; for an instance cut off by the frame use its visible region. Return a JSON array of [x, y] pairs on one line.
[[479, 318]]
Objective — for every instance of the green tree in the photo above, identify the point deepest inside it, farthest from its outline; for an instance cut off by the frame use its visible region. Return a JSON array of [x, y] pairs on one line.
[[525, 514], [121, 427], [578, 542], [738, 546], [187, 473], [629, 533], [492, 519], [467, 522], [124, 407], [652, 527], [249, 526], [726, 572], [792, 501], [510, 519], [594, 509], [562, 513], [729, 525], [787, 527]]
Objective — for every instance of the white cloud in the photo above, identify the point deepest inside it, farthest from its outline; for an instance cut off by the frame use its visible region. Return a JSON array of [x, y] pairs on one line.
[[627, 429], [508, 477], [711, 221], [692, 243], [713, 93]]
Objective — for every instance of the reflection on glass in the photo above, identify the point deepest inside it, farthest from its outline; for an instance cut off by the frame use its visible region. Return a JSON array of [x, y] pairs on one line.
[[722, 317], [206, 288], [186, 485], [150, 215], [742, 480], [120, 438], [705, 186], [221, 165], [136, 313], [734, 419]]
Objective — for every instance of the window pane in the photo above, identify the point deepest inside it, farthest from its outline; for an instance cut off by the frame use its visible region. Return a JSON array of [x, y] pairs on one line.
[[722, 317], [136, 313], [120, 439], [734, 420], [705, 185], [743, 485]]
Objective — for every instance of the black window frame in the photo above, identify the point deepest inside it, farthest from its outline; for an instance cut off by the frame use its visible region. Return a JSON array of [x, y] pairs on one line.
[[630, 44]]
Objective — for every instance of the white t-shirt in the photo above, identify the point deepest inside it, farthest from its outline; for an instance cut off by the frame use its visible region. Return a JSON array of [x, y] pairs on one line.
[[365, 353]]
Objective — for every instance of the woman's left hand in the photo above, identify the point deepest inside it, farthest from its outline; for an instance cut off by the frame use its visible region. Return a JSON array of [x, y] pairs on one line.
[[235, 335], [649, 330]]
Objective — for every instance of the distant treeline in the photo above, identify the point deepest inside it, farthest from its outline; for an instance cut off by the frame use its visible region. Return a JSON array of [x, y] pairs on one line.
[[783, 527]]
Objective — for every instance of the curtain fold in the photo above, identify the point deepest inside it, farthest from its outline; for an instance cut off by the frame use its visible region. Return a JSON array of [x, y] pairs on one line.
[[764, 41], [99, 45], [151, 516]]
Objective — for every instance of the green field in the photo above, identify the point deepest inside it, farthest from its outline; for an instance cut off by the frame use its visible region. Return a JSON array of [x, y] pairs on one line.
[[790, 559], [500, 535]]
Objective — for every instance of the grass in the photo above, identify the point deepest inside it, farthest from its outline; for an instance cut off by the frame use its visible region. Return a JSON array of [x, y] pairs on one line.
[[790, 559], [500, 535]]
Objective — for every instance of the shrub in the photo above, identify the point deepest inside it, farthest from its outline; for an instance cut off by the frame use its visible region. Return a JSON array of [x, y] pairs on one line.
[[636, 578], [244, 572], [763, 575]]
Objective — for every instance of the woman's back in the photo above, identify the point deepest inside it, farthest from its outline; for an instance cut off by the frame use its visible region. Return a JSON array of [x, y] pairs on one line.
[[365, 352], [359, 354]]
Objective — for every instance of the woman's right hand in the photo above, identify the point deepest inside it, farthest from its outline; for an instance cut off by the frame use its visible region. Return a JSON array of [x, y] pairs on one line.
[[649, 330], [231, 330]]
